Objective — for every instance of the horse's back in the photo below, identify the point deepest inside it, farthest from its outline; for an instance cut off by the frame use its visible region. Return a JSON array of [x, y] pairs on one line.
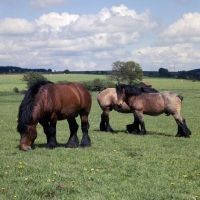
[[72, 96]]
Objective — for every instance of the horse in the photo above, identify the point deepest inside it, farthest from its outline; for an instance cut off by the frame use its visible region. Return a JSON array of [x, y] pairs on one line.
[[46, 103], [107, 100], [153, 104]]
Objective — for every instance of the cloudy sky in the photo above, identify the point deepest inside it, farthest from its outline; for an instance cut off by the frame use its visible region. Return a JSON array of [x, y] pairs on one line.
[[91, 35]]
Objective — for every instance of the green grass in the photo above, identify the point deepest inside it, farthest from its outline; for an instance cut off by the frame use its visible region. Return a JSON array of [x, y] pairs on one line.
[[117, 165]]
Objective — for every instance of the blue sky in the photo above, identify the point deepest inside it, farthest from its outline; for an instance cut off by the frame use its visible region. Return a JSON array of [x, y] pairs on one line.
[[91, 35]]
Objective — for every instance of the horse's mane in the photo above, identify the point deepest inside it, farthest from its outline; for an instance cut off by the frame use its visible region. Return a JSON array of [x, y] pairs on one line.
[[136, 90], [149, 90], [27, 105], [132, 90]]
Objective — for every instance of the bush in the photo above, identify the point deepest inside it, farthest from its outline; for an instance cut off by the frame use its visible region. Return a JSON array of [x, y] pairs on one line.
[[98, 85], [31, 77], [16, 90]]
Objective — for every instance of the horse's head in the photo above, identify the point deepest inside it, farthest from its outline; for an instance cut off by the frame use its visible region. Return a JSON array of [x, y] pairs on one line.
[[28, 137], [120, 89]]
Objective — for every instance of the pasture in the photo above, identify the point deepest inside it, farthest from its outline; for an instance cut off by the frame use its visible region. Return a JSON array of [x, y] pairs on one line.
[[117, 165]]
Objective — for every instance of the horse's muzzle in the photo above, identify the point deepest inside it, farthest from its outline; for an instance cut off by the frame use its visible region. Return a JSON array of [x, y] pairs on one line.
[[24, 148], [119, 105]]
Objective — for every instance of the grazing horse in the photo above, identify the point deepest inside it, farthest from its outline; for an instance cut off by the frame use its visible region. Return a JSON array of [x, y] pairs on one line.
[[45, 103], [153, 104], [107, 100]]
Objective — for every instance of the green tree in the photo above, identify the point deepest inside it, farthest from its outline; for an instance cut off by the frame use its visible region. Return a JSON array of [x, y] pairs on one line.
[[31, 77], [132, 73], [164, 72], [66, 71], [126, 72]]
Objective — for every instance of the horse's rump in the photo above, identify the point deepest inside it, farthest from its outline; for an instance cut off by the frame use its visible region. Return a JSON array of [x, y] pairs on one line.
[[108, 99]]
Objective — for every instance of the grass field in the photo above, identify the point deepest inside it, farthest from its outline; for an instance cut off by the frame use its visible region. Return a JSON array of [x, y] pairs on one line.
[[120, 166]]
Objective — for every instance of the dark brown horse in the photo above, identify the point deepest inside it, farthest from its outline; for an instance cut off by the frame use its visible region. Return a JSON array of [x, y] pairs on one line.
[[46, 103], [153, 104], [107, 100]]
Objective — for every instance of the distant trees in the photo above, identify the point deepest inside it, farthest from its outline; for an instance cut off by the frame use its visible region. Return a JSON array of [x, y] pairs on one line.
[[126, 72], [31, 77]]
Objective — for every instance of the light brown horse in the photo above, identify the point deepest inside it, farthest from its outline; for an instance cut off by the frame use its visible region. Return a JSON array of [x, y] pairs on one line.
[[46, 103], [153, 104], [107, 100]]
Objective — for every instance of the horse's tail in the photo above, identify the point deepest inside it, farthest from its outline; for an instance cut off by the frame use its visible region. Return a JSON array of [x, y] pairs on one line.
[[27, 105], [180, 97]]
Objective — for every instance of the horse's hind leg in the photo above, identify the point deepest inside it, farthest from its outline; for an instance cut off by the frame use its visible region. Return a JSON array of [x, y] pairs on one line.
[[183, 130], [73, 141], [102, 125], [105, 125], [50, 131], [85, 142]]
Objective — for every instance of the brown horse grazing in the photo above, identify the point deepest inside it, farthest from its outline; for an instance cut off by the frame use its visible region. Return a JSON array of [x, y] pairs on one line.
[[107, 100], [153, 104], [45, 103]]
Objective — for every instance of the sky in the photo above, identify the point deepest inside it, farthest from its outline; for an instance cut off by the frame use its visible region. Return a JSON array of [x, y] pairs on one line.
[[87, 35]]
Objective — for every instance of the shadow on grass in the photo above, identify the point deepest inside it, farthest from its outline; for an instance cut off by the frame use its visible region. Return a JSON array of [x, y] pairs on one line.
[[148, 133]]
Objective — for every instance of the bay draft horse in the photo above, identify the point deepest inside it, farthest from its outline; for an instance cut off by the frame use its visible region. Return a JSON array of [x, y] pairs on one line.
[[153, 104], [107, 100], [46, 103]]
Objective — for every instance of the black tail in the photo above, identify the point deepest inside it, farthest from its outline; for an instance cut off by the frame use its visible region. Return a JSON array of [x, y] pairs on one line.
[[180, 97]]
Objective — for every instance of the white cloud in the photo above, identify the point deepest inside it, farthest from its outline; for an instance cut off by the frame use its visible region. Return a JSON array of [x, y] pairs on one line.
[[42, 4], [182, 56], [16, 26], [184, 30], [55, 20]]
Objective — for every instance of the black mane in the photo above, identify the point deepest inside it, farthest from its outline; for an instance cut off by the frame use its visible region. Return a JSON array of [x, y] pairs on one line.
[[149, 90], [27, 105], [135, 90], [132, 90]]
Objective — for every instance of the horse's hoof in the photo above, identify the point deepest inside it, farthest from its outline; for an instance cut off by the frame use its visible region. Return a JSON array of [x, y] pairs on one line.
[[51, 146], [71, 146], [85, 145]]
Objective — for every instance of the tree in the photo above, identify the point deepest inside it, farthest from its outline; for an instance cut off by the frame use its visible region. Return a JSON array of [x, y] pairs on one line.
[[66, 71], [164, 72], [126, 72], [132, 72], [31, 77]]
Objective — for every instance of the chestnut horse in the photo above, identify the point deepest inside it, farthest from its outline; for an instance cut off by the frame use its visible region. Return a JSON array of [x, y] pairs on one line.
[[153, 104], [45, 103], [107, 100]]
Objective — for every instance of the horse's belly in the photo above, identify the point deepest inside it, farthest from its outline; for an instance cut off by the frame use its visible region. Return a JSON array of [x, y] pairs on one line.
[[124, 109], [153, 113]]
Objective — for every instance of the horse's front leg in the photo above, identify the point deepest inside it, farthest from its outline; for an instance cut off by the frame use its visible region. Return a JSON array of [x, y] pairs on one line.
[[73, 141], [134, 127], [140, 119], [50, 131], [85, 142]]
